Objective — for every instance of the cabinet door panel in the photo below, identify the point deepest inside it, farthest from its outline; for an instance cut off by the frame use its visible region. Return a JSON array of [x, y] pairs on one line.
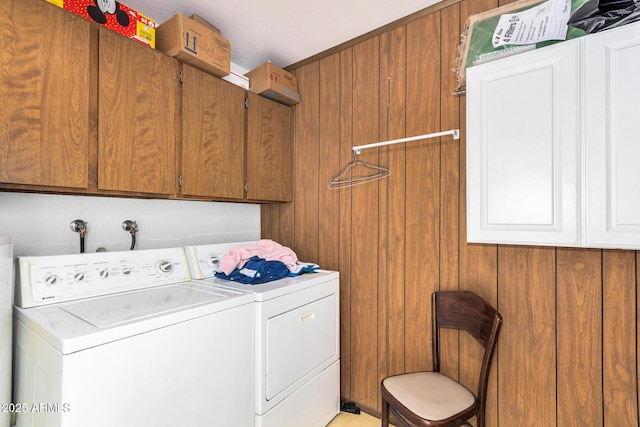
[[44, 95], [523, 148], [612, 104], [213, 136], [269, 150], [137, 117]]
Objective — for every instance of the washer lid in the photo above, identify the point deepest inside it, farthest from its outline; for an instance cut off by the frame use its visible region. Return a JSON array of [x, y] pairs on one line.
[[124, 308], [72, 326]]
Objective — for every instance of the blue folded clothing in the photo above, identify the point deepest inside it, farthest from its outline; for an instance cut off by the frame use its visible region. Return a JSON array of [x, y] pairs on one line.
[[303, 267], [257, 270]]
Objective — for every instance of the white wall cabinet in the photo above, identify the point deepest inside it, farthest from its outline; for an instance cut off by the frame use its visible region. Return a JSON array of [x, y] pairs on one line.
[[523, 148], [551, 154], [612, 139]]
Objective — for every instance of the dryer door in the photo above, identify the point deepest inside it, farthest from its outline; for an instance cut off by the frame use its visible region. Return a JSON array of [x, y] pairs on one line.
[[300, 342]]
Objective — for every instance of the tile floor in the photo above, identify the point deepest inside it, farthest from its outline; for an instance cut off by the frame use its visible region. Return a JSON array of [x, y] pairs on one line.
[[344, 419]]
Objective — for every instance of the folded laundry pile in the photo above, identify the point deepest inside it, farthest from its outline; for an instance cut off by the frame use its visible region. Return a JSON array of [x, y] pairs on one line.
[[257, 270], [264, 262], [237, 256]]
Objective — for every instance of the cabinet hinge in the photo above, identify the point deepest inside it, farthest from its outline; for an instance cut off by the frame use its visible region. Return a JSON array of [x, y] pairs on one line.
[[246, 104], [180, 77], [180, 180], [246, 187]]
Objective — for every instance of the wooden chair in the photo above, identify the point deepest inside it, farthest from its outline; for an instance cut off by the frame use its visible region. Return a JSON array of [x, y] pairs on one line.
[[432, 398]]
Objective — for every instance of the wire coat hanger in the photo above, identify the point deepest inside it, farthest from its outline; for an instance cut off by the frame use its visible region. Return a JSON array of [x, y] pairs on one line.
[[378, 172], [340, 181]]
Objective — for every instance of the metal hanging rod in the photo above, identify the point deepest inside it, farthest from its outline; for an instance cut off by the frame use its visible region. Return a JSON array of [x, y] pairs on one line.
[[454, 132]]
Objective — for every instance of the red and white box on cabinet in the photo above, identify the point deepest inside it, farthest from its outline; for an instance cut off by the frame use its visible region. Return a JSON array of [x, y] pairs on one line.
[[114, 16]]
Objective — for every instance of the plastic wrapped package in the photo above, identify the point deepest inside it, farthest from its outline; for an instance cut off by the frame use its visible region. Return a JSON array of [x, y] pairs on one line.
[[599, 15]]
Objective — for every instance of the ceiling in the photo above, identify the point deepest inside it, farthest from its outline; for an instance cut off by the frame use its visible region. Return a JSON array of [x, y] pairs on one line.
[[283, 31]]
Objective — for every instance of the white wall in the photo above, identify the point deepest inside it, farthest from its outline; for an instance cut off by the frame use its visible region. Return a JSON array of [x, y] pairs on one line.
[[39, 224]]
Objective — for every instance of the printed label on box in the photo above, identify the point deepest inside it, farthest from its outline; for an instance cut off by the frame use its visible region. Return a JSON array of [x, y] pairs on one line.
[[145, 33], [191, 41]]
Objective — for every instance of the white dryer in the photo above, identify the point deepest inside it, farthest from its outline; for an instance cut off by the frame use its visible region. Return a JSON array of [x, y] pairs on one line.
[[124, 339], [297, 326]]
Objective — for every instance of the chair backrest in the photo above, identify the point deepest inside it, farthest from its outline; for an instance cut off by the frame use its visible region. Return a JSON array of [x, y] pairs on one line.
[[466, 311]]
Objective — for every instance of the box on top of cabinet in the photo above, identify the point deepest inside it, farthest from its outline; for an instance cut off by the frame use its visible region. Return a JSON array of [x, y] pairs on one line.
[[270, 71], [114, 16], [199, 19], [273, 82], [196, 44], [276, 92]]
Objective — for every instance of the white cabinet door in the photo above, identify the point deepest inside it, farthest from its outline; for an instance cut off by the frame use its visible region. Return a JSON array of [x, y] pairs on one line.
[[612, 117], [523, 134]]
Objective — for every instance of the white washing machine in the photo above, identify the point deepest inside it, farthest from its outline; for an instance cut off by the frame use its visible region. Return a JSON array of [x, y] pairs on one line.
[[6, 329], [124, 339], [297, 341]]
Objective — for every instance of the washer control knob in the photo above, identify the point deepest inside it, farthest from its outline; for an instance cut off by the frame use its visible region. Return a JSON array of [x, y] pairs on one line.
[[78, 277], [165, 266], [213, 261], [126, 271], [51, 280], [104, 273]]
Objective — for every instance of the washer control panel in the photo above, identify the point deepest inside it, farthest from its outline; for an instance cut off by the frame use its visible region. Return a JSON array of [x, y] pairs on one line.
[[204, 260], [51, 279]]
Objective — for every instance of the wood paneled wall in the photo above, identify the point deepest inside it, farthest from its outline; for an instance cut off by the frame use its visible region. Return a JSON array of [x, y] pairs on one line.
[[568, 350]]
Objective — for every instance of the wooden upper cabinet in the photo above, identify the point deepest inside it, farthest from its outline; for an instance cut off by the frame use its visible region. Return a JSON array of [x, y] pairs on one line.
[[137, 117], [90, 111], [269, 150], [44, 95], [213, 136]]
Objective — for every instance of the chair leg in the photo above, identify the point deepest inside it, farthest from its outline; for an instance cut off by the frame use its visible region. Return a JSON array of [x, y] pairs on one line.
[[385, 414]]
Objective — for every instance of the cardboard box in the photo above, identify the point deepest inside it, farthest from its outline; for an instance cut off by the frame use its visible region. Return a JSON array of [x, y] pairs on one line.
[[271, 72], [275, 91], [200, 20], [273, 82], [195, 44], [117, 17]]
